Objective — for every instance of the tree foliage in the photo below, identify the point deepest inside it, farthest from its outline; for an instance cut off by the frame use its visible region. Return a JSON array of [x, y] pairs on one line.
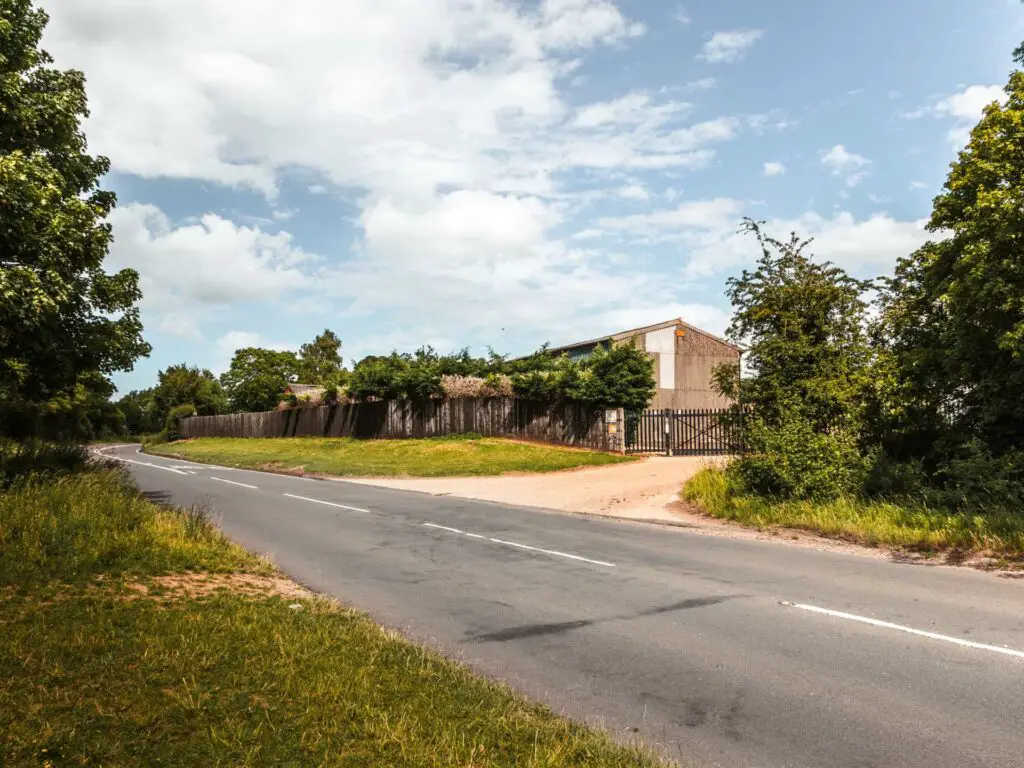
[[803, 324], [183, 385], [621, 377], [953, 315], [320, 360], [257, 378], [63, 320]]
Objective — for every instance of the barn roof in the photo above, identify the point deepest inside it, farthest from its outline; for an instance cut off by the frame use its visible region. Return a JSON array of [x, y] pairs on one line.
[[622, 335]]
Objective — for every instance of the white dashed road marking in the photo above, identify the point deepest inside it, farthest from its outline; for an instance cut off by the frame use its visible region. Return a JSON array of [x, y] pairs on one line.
[[326, 503], [908, 630], [517, 545], [232, 482]]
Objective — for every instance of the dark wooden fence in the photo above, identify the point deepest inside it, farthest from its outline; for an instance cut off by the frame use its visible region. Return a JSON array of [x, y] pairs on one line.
[[565, 424], [703, 432]]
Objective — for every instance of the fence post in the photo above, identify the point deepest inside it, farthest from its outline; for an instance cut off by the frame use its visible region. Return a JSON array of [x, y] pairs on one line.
[[666, 420]]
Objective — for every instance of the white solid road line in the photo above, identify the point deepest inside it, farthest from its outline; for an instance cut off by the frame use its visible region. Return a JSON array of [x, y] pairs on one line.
[[908, 630], [326, 503], [517, 545], [147, 464], [232, 482]]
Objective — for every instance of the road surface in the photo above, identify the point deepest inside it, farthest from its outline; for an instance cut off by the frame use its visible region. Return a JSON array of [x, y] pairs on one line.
[[716, 651]]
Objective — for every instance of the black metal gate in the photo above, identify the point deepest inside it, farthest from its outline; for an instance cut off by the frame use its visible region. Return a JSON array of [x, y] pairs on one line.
[[703, 432]]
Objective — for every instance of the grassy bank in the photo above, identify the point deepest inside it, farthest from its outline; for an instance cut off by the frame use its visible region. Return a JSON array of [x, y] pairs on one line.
[[448, 457], [135, 635], [876, 523]]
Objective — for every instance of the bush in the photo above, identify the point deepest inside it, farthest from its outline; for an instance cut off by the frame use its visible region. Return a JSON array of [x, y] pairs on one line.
[[494, 385], [462, 386], [172, 423], [974, 478], [18, 459], [497, 385], [793, 461]]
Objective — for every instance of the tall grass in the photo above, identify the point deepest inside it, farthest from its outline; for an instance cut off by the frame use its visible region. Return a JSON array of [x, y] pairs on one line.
[[73, 527], [18, 459], [905, 524], [96, 672]]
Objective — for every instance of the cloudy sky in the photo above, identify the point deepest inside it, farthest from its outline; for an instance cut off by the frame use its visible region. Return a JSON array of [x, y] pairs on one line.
[[507, 172]]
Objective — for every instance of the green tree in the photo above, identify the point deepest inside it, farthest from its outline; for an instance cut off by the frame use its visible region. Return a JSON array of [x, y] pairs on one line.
[[379, 376], [320, 360], [61, 316], [139, 410], [257, 377], [620, 377], [803, 324], [181, 385], [953, 315]]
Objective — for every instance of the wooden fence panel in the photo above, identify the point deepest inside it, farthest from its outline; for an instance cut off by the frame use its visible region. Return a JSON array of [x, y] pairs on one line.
[[565, 423]]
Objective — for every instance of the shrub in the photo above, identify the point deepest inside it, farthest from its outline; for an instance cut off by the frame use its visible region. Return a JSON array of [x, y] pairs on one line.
[[791, 460], [462, 386], [18, 459], [497, 385], [172, 424]]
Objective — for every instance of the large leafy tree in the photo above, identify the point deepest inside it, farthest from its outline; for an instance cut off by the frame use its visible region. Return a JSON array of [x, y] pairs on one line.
[[62, 317], [953, 315], [139, 410], [321, 359], [803, 324], [181, 385], [257, 377]]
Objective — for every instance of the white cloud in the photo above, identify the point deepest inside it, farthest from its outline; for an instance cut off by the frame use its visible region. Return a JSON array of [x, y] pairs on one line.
[[967, 108], [729, 47], [707, 231], [681, 16], [918, 185], [387, 95], [190, 269], [774, 169], [713, 214], [634, 192], [703, 84], [878, 199], [845, 164]]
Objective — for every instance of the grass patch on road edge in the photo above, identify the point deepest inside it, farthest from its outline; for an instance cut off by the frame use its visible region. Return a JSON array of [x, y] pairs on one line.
[[432, 457], [106, 659], [907, 525]]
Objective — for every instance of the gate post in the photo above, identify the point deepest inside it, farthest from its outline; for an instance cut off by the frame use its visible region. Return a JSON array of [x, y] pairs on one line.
[[666, 419]]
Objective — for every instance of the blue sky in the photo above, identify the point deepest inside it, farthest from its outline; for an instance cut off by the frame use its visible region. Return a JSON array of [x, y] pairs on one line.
[[490, 172]]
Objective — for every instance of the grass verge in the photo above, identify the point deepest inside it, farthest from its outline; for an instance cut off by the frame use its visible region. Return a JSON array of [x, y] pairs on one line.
[[110, 656], [876, 523], [436, 457]]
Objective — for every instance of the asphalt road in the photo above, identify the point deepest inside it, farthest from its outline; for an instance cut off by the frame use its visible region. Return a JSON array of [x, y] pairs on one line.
[[717, 651]]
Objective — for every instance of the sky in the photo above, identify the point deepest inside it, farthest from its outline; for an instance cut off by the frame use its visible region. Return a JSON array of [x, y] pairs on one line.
[[502, 173]]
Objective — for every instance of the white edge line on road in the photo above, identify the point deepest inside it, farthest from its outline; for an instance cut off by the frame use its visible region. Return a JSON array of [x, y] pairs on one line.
[[908, 630], [517, 545], [148, 464], [327, 503], [232, 482]]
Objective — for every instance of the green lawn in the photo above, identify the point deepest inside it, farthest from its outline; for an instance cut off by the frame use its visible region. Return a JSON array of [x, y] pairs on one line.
[[95, 671], [877, 523], [450, 457]]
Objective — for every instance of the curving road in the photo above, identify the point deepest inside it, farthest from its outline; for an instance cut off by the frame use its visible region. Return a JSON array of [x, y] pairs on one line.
[[717, 651]]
